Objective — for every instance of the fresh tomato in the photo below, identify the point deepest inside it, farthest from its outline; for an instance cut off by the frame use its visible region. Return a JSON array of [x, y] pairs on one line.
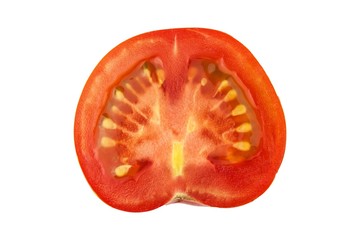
[[179, 115]]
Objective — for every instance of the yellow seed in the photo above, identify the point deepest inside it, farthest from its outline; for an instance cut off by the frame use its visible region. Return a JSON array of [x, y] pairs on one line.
[[245, 127], [231, 95], [107, 123], [160, 75], [242, 145], [203, 81], [238, 110], [147, 74], [223, 85], [119, 95], [122, 170], [107, 142]]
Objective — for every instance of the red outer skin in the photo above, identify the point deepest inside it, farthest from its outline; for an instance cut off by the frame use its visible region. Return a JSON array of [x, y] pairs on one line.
[[220, 186]]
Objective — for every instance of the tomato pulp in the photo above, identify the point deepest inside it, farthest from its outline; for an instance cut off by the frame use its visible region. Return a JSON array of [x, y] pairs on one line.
[[179, 115]]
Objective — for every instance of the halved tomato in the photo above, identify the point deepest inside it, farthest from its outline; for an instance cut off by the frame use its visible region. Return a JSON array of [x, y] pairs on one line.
[[179, 115]]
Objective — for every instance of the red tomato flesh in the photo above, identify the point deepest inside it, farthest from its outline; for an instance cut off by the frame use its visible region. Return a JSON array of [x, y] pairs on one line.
[[179, 115]]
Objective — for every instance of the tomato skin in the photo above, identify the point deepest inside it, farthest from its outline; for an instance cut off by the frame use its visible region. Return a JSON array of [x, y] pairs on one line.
[[213, 185]]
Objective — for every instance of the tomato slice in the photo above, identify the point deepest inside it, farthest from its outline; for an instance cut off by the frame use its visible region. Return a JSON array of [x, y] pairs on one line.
[[179, 115]]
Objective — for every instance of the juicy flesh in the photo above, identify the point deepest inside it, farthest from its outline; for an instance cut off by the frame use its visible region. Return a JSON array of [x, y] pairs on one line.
[[212, 122]]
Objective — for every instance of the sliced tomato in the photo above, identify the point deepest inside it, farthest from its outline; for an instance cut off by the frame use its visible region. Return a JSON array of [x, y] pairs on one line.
[[179, 115]]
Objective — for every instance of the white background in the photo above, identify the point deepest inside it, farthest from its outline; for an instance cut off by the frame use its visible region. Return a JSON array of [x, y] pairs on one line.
[[310, 51]]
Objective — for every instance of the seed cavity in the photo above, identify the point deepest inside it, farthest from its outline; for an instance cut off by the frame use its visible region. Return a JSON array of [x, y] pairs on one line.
[[242, 146], [122, 109], [231, 95], [143, 83], [107, 142], [107, 123], [238, 110], [122, 170], [243, 128], [207, 122]]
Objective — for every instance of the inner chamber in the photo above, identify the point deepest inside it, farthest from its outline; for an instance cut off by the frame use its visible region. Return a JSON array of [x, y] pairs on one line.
[[213, 121]]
